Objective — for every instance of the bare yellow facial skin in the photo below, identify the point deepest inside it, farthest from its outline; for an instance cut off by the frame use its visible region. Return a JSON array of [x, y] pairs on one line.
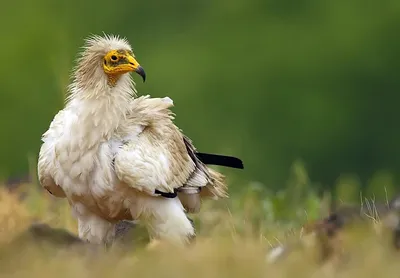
[[117, 62]]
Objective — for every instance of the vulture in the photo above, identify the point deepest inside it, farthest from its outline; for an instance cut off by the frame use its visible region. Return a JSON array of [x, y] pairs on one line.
[[115, 156]]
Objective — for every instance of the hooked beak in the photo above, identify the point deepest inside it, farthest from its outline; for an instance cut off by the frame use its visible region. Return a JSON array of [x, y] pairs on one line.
[[139, 70], [136, 67]]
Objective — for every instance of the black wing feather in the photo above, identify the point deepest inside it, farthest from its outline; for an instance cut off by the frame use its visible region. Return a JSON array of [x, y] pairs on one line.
[[221, 160]]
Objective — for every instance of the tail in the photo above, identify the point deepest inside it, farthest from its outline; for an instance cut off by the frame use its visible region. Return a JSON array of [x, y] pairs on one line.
[[217, 188], [220, 160]]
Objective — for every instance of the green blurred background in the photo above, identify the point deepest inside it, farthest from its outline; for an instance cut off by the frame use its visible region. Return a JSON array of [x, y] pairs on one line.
[[269, 81]]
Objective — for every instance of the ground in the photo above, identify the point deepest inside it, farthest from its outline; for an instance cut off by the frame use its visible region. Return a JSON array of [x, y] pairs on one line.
[[235, 239]]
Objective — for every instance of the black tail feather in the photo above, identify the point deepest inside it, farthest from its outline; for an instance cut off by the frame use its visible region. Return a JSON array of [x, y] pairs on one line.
[[220, 160]]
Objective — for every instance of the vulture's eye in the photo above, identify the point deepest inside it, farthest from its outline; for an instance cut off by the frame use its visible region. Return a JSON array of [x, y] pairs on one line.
[[114, 58]]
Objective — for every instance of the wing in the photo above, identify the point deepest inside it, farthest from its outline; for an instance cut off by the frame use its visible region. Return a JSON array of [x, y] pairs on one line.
[[160, 158], [47, 157]]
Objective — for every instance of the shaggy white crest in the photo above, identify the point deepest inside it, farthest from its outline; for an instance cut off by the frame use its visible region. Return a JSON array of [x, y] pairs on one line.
[[96, 43], [109, 153]]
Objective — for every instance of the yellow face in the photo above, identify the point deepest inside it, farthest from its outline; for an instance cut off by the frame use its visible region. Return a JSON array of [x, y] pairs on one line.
[[117, 62]]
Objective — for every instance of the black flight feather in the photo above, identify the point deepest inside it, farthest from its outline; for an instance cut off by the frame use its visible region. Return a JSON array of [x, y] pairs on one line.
[[220, 160]]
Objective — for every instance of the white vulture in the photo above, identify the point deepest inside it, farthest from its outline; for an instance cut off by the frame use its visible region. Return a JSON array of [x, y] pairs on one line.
[[117, 157]]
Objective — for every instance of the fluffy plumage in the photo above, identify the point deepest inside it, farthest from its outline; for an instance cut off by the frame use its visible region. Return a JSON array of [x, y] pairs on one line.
[[109, 153]]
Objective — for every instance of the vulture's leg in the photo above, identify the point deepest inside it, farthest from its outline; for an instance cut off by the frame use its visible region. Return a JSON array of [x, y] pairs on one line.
[[166, 220], [94, 229]]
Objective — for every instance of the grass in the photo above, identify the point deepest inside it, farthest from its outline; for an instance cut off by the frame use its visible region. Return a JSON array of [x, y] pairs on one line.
[[234, 238]]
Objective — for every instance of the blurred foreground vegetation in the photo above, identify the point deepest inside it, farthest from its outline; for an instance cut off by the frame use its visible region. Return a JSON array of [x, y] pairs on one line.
[[234, 238]]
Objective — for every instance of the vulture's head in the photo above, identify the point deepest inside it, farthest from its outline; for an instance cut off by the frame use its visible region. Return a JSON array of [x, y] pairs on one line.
[[105, 61]]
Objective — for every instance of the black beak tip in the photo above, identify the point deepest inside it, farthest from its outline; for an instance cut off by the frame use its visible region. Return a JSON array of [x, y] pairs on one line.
[[141, 72]]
